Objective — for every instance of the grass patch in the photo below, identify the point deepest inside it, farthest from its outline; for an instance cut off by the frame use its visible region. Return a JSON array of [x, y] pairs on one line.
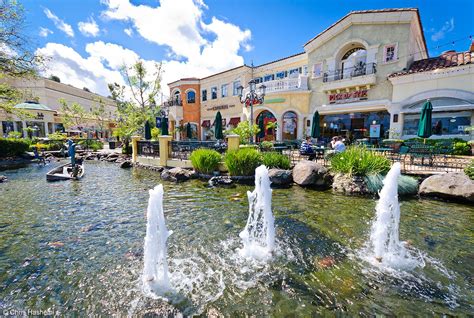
[[242, 162]]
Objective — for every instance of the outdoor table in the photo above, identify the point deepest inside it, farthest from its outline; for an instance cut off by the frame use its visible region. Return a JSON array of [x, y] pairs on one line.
[[279, 148]]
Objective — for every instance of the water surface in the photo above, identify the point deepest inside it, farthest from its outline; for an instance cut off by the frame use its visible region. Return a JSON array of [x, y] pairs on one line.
[[77, 247]]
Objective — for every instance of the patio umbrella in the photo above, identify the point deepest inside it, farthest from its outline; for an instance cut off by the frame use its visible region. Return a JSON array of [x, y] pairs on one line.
[[315, 131], [189, 132], [261, 126], [218, 126], [147, 130], [424, 126], [164, 126]]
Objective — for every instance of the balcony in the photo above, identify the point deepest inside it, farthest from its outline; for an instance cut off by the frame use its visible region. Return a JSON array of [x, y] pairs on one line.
[[171, 102], [360, 75], [175, 109], [286, 84]]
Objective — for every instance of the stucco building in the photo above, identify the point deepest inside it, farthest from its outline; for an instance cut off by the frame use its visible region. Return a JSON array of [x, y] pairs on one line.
[[42, 97], [358, 74]]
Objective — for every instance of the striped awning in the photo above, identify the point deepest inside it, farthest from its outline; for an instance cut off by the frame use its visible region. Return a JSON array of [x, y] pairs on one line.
[[206, 123]]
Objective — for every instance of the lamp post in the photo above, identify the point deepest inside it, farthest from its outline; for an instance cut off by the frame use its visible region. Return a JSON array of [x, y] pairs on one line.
[[252, 98]]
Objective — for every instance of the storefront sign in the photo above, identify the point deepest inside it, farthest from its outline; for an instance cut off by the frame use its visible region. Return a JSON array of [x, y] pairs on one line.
[[220, 107], [374, 131], [348, 97], [274, 100], [40, 116]]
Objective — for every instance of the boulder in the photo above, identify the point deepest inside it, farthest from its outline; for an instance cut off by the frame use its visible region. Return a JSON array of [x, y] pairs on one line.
[[350, 184], [455, 186], [126, 164], [310, 173], [220, 181], [176, 174], [3, 179], [280, 177]]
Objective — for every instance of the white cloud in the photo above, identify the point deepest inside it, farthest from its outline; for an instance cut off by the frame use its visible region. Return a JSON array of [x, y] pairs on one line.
[[44, 32], [128, 32], [60, 24], [89, 28], [447, 27], [179, 26]]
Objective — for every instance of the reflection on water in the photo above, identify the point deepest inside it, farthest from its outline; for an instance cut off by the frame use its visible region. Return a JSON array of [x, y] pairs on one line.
[[78, 247]]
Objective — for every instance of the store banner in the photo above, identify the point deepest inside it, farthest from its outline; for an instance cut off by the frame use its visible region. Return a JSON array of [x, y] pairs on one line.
[[374, 131]]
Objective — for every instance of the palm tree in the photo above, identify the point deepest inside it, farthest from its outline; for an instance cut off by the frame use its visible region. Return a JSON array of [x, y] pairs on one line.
[[272, 126]]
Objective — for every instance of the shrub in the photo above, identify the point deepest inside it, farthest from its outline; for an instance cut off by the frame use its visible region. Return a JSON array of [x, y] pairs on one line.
[[359, 161], [92, 144], [205, 160], [266, 144], [57, 136], [244, 130], [469, 170], [13, 147], [461, 148], [242, 162], [406, 184], [275, 160], [155, 133], [15, 134], [39, 146]]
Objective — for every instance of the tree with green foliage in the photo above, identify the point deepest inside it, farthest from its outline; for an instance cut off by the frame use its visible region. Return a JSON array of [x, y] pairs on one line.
[[99, 114], [244, 131], [17, 58], [73, 114]]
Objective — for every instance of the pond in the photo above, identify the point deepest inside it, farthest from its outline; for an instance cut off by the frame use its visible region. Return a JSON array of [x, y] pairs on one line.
[[77, 247]]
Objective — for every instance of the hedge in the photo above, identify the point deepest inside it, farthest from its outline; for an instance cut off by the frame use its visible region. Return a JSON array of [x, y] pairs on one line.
[[10, 147]]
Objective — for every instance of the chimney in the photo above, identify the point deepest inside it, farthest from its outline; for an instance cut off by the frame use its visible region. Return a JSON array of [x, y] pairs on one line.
[[471, 48]]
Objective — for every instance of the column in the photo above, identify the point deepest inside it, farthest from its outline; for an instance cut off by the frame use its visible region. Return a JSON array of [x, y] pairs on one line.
[[135, 140], [233, 142], [164, 149], [23, 123], [300, 127], [46, 129]]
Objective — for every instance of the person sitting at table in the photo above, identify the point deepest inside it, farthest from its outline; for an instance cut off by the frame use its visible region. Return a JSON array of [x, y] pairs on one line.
[[338, 145], [306, 149]]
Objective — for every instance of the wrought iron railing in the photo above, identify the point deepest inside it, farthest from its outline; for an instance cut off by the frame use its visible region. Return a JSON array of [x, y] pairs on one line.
[[148, 148], [183, 149], [171, 102], [348, 73]]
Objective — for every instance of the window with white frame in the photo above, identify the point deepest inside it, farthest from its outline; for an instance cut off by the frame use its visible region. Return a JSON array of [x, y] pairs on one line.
[[214, 92], [224, 92], [317, 70], [235, 87], [390, 53]]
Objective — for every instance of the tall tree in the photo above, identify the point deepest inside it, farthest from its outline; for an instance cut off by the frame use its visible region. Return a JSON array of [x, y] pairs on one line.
[[17, 58], [99, 114], [73, 114]]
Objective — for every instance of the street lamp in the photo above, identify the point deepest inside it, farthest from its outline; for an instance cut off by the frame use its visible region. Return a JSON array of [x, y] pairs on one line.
[[252, 98]]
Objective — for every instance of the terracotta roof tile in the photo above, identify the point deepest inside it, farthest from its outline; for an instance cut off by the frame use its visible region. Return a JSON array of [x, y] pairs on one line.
[[445, 60]]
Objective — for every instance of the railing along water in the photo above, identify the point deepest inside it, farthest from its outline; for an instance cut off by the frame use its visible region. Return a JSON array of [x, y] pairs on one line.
[[148, 148]]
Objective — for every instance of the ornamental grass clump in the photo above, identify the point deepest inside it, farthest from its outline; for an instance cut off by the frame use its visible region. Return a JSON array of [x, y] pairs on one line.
[[358, 161], [242, 162], [205, 160], [275, 160], [406, 185], [469, 170]]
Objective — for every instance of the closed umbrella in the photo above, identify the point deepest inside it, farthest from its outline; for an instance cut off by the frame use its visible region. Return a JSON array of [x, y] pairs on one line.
[[261, 126], [218, 126], [424, 126], [315, 131], [164, 126], [189, 132], [147, 130]]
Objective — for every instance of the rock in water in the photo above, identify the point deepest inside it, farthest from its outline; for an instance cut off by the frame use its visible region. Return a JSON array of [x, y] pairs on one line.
[[3, 179], [126, 164], [176, 174], [220, 181], [455, 186], [350, 184], [280, 177], [310, 173]]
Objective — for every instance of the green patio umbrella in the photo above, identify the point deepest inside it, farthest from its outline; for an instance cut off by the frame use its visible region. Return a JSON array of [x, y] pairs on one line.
[[424, 126], [189, 132], [218, 126], [164, 126], [147, 130], [315, 131], [261, 126]]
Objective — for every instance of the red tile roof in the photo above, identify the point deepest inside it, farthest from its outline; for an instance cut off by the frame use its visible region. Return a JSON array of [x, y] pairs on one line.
[[445, 60]]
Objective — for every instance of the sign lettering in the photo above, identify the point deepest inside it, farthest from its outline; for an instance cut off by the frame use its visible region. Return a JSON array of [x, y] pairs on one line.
[[349, 97]]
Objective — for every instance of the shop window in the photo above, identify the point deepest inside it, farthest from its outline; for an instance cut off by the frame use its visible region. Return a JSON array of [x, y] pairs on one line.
[[395, 118], [224, 92], [442, 124], [317, 70], [204, 95], [214, 92], [390, 53], [290, 124], [235, 87], [7, 127], [191, 97]]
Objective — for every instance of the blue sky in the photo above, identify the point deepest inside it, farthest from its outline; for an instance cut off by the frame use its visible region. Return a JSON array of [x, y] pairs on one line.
[[88, 40]]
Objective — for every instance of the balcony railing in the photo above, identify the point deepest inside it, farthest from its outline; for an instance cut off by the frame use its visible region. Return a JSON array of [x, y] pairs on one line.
[[351, 72], [148, 148], [286, 84], [171, 102]]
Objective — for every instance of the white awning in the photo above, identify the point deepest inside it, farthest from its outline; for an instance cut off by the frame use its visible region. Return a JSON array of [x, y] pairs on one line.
[[449, 108]]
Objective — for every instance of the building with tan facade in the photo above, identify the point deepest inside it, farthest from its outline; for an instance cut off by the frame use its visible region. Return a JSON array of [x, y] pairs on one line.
[[346, 74], [42, 103]]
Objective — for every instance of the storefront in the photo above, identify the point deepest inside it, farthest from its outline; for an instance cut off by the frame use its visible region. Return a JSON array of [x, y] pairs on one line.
[[358, 125]]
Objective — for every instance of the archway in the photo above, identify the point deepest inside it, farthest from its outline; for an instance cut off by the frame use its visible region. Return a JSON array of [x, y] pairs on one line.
[[267, 132], [290, 126]]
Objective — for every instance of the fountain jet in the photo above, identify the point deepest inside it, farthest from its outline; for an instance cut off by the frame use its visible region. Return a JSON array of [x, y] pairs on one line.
[[258, 236], [385, 246], [155, 271]]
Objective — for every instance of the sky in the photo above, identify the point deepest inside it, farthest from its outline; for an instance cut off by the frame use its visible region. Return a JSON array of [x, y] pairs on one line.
[[87, 41]]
